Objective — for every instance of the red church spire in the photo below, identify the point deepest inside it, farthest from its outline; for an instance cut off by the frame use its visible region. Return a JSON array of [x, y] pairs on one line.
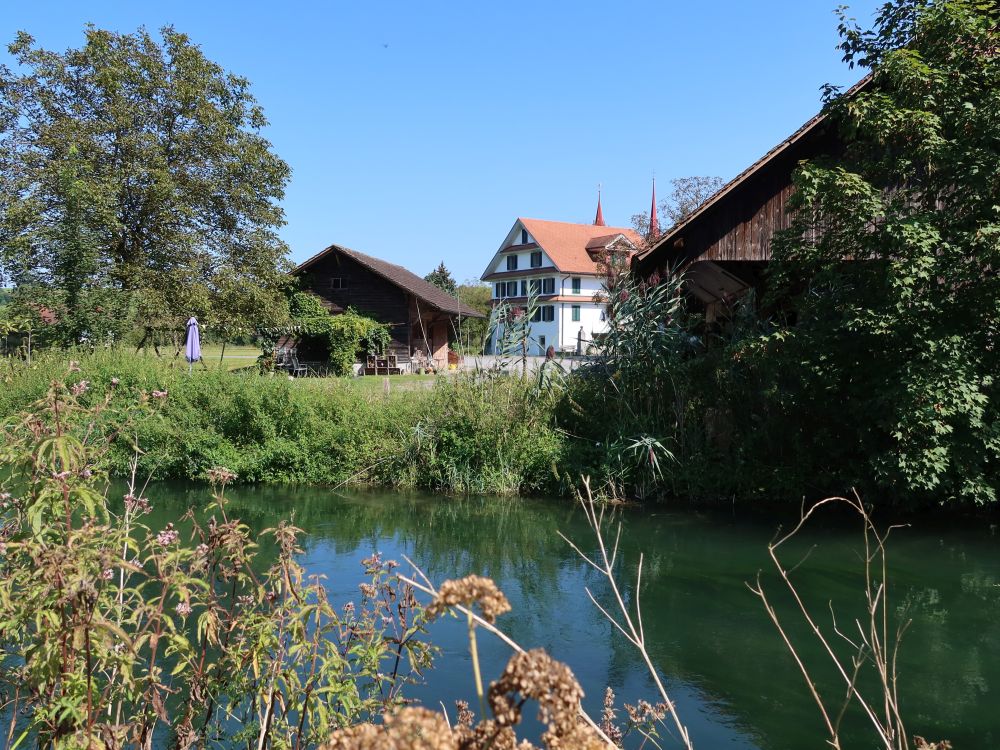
[[654, 222], [599, 219]]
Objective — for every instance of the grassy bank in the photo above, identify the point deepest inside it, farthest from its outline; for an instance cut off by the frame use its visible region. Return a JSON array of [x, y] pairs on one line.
[[451, 434]]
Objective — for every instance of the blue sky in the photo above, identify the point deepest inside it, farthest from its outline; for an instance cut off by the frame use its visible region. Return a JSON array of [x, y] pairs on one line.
[[418, 132]]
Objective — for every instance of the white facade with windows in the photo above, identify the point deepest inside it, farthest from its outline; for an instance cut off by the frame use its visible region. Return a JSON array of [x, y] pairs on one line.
[[557, 267]]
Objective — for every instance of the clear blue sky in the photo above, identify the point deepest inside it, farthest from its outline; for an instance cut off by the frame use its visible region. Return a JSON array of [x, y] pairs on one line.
[[418, 131]]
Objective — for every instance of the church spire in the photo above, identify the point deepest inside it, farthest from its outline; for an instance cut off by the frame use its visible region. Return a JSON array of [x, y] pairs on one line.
[[599, 219], [654, 221]]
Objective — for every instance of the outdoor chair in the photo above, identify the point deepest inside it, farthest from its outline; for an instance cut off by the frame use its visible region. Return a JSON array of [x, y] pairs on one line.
[[295, 368]]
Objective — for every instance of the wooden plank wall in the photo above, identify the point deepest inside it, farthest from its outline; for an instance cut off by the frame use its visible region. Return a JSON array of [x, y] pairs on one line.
[[368, 293]]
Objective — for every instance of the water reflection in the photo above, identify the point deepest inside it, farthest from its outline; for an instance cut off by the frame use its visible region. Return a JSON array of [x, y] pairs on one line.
[[735, 684]]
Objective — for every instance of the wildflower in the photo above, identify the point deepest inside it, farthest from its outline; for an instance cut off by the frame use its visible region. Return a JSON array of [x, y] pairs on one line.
[[367, 590], [159, 394], [348, 609], [80, 388], [168, 536], [183, 609], [74, 366], [470, 590], [115, 381], [623, 295], [373, 563], [107, 574], [220, 475], [135, 504], [608, 714], [245, 601], [60, 475]]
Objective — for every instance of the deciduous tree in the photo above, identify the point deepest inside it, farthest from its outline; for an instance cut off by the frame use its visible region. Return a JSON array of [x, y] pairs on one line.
[[134, 167]]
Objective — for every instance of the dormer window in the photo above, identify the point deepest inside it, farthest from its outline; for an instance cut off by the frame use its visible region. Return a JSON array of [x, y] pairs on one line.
[[511, 262], [524, 236]]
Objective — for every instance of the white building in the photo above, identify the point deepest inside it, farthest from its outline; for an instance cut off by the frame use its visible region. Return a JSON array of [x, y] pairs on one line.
[[566, 265]]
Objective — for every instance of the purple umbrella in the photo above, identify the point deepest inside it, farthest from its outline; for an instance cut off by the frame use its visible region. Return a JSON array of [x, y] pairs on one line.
[[193, 347]]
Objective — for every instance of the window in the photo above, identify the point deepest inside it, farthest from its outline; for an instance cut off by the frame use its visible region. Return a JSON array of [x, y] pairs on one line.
[[576, 285], [524, 288], [511, 289], [524, 236], [576, 313], [536, 259], [604, 315], [537, 315], [336, 283], [535, 286], [511, 262], [541, 343], [548, 313], [548, 286], [498, 290]]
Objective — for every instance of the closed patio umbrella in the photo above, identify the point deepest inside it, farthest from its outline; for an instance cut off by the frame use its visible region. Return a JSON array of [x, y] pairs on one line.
[[192, 351]]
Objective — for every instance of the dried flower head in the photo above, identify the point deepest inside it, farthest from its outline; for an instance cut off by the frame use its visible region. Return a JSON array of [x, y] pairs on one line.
[[80, 388], [407, 729], [183, 609], [468, 591], [536, 675]]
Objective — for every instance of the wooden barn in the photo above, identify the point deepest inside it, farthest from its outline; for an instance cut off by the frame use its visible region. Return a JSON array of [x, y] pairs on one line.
[[724, 246], [422, 318]]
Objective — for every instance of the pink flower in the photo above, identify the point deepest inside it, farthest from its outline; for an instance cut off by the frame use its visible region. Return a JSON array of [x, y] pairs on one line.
[[183, 609], [80, 388], [107, 574], [159, 394], [115, 381], [168, 536]]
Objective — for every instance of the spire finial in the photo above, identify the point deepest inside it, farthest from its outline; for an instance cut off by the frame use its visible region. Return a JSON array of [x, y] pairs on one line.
[[599, 219], [654, 221]]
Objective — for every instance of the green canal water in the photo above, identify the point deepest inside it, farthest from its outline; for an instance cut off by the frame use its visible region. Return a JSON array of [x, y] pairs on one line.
[[734, 683]]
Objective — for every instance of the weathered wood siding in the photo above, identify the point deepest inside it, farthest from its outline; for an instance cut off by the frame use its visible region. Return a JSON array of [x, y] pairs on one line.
[[366, 292], [740, 225]]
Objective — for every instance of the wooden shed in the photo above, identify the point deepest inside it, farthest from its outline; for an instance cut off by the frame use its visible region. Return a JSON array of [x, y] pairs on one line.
[[724, 246], [422, 318]]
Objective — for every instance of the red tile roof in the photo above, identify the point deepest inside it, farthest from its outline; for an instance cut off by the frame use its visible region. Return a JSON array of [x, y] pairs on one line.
[[566, 244]]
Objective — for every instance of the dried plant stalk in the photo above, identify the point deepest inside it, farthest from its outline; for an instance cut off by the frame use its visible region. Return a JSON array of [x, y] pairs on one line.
[[876, 646], [630, 626]]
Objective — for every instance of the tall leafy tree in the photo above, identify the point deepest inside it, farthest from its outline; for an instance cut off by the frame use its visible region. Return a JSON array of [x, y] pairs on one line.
[[134, 169], [891, 263]]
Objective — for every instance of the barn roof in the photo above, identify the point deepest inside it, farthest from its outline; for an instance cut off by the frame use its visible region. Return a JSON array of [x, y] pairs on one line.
[[788, 144], [401, 277]]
